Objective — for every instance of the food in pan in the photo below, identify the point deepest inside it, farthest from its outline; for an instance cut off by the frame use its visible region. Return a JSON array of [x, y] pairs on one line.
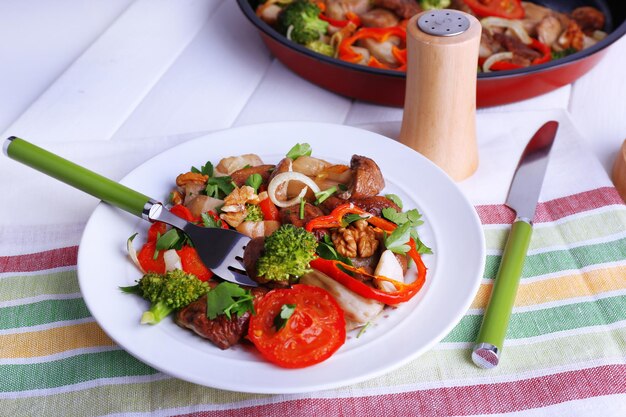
[[373, 32], [329, 252]]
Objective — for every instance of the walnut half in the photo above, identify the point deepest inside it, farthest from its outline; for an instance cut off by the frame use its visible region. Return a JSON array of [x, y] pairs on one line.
[[234, 209], [356, 240]]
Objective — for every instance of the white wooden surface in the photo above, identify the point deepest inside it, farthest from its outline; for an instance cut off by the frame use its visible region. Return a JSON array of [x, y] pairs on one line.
[[100, 70]]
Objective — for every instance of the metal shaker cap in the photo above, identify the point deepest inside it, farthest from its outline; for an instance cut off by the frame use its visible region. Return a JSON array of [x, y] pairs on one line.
[[443, 22]]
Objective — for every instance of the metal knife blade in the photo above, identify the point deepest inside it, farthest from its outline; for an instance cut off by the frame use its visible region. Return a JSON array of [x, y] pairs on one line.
[[523, 197], [528, 178]]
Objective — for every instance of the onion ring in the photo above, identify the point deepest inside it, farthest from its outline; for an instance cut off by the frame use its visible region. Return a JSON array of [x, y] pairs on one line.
[[500, 56], [284, 178], [514, 25]]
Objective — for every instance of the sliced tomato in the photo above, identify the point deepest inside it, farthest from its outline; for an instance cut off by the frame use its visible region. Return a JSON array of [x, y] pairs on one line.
[[157, 229], [270, 211], [184, 213], [147, 261], [315, 330], [509, 9], [192, 264]]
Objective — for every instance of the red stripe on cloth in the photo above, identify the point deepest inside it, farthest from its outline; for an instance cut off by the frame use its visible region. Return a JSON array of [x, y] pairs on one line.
[[39, 261], [468, 400], [554, 209]]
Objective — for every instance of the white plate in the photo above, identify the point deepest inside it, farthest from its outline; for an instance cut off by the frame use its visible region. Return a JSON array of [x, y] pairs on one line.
[[452, 229]]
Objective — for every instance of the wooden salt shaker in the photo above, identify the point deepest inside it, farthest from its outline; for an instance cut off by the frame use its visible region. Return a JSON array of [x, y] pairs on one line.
[[439, 118]]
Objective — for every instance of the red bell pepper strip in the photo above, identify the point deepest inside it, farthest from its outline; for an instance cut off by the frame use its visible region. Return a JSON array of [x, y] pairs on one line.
[[156, 229], [336, 269], [509, 9], [346, 53], [351, 17], [546, 55], [335, 217], [184, 213], [192, 264], [270, 211], [147, 261]]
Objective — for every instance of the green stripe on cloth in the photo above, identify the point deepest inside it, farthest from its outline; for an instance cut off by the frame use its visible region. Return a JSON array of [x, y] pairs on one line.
[[42, 312], [575, 230], [564, 260], [554, 319], [23, 286], [72, 370], [434, 368]]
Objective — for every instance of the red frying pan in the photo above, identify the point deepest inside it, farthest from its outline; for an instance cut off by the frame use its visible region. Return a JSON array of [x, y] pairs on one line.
[[387, 87]]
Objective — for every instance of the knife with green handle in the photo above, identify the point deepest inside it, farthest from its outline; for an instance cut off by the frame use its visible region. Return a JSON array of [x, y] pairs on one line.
[[522, 198]]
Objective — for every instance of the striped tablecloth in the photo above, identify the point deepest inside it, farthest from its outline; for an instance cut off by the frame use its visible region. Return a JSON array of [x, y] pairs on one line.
[[565, 353]]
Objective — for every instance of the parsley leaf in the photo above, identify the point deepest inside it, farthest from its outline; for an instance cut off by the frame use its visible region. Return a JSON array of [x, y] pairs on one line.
[[326, 250], [286, 311], [206, 169], [394, 198], [414, 219], [219, 187], [299, 149], [351, 218], [419, 245], [412, 216], [254, 181], [228, 298], [398, 239]]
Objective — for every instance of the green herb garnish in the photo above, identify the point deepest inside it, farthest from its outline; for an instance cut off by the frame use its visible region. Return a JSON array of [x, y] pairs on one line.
[[206, 169], [394, 198], [286, 311], [397, 240], [351, 218], [254, 181], [323, 195], [209, 221], [414, 219], [219, 187], [299, 149], [301, 213], [168, 240], [326, 250], [228, 298], [363, 329], [563, 53]]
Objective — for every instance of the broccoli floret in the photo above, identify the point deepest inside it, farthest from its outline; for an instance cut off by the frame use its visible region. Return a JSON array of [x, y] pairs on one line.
[[321, 48], [434, 4], [150, 286], [167, 293], [287, 253], [255, 214], [300, 22]]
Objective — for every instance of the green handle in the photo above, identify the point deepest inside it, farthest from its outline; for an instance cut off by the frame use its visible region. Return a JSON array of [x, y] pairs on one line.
[[498, 313], [76, 176]]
